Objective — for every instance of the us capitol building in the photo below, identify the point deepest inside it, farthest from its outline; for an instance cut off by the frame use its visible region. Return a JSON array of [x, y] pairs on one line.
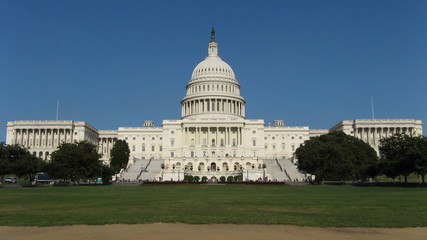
[[212, 139]]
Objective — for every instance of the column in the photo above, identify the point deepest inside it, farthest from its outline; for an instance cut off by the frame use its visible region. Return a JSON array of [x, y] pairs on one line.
[[207, 137]]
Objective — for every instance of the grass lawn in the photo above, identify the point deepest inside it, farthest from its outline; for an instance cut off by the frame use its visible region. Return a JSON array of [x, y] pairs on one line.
[[342, 206]]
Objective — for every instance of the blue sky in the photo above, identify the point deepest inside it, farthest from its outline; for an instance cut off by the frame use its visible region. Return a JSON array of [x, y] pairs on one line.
[[118, 63]]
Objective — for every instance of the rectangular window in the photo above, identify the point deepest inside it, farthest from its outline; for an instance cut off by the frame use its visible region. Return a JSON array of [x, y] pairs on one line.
[[133, 148], [153, 148], [172, 142], [172, 154], [254, 142]]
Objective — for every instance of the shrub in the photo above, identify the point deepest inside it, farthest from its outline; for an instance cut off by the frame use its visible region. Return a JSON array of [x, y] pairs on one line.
[[196, 179], [230, 178], [188, 178], [204, 179], [222, 179]]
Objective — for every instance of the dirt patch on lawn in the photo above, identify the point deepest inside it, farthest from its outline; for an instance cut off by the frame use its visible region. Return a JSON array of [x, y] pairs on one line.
[[178, 231]]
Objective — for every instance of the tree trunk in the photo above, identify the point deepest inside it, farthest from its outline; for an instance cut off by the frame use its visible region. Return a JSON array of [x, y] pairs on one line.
[[422, 178], [406, 179]]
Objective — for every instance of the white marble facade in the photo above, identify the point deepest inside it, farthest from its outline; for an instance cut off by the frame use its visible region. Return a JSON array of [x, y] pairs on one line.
[[212, 138]]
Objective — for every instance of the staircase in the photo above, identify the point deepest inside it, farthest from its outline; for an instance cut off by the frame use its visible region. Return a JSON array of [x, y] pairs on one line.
[[151, 171], [275, 170], [134, 170], [292, 170]]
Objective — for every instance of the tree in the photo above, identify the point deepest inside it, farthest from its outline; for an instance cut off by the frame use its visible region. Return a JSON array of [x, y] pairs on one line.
[[119, 156], [421, 160], [75, 162], [106, 174], [403, 154], [4, 162], [15, 159], [27, 166], [337, 156]]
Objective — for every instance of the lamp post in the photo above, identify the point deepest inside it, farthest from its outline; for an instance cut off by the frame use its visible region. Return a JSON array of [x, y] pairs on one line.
[[264, 166]]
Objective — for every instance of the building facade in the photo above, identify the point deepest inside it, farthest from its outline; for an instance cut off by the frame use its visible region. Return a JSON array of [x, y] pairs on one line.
[[212, 139]]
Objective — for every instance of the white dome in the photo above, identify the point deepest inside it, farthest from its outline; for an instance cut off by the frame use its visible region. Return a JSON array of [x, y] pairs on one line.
[[213, 66], [213, 91]]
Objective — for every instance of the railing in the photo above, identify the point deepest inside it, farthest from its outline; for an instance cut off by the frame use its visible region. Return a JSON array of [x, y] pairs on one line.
[[287, 175], [277, 161]]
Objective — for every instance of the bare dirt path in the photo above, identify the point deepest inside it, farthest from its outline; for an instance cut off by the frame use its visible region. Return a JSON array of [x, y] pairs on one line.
[[166, 231]]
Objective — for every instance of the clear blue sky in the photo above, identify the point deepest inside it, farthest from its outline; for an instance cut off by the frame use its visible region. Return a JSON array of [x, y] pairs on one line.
[[117, 63]]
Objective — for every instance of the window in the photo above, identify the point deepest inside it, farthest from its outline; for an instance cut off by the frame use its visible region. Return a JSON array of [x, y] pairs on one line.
[[265, 138], [300, 137], [172, 154], [143, 138], [133, 138], [274, 147], [283, 146], [222, 142], [153, 138], [143, 147], [234, 142], [204, 141], [265, 146], [204, 153], [153, 148], [172, 132], [292, 137], [126, 138], [254, 142], [160, 148], [293, 147], [133, 148], [161, 138], [192, 153], [192, 142], [254, 131], [172, 142], [273, 138]]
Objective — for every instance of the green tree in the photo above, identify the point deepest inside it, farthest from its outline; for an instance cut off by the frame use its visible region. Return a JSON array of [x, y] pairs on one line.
[[337, 156], [421, 160], [75, 162], [403, 154], [119, 156], [27, 166], [15, 159], [222, 178], [4, 162], [188, 178], [196, 178], [106, 174]]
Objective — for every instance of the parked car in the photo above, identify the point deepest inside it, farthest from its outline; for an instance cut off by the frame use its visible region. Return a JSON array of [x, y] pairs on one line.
[[11, 180]]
